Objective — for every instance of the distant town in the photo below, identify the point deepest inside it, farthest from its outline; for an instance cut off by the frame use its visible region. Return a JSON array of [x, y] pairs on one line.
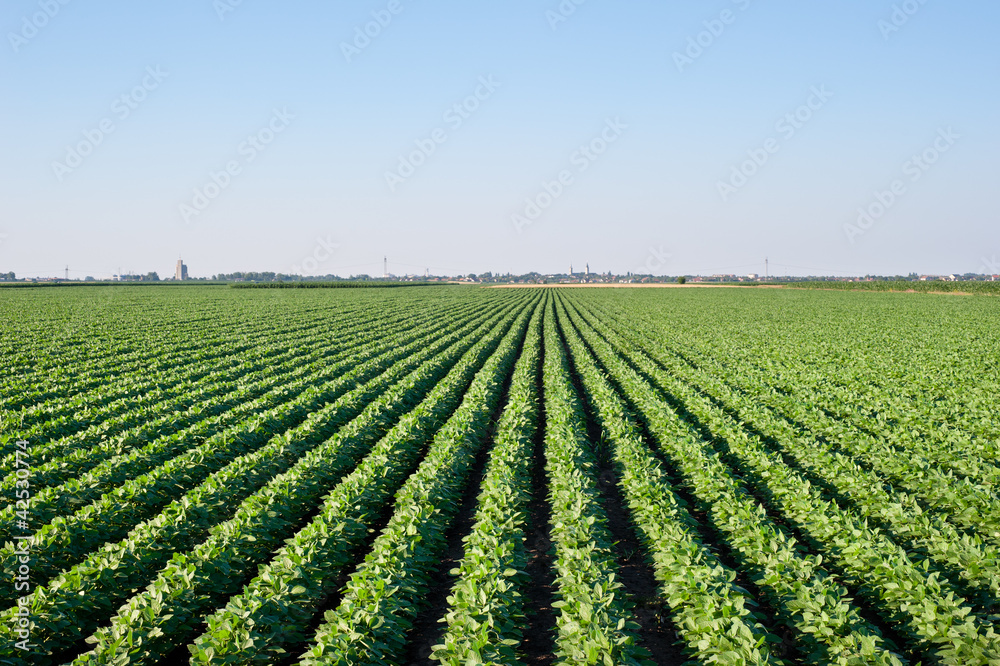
[[571, 277]]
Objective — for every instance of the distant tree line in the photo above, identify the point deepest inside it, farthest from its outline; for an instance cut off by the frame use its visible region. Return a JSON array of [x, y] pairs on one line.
[[270, 276]]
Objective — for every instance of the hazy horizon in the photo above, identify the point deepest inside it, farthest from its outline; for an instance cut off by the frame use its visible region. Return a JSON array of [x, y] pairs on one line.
[[851, 139]]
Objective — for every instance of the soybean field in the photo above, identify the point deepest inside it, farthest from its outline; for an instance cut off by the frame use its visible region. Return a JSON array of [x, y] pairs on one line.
[[454, 475]]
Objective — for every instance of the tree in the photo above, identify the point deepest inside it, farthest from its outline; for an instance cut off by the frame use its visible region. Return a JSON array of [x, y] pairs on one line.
[[682, 280]]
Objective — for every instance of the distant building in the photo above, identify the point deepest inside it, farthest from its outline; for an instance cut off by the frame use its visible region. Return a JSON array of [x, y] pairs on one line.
[[182, 270]]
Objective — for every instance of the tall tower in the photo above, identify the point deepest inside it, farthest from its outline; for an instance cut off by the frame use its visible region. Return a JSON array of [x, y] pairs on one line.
[[571, 270], [385, 267], [181, 272], [588, 270]]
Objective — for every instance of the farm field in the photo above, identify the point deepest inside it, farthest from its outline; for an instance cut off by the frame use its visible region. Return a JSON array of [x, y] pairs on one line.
[[456, 475]]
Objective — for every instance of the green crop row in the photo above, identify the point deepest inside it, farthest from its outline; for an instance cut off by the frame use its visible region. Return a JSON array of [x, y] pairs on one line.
[[964, 556], [67, 540], [272, 614], [164, 616], [965, 493], [78, 364], [930, 286], [485, 613], [383, 594], [88, 472], [714, 615], [277, 476], [85, 415], [69, 457], [165, 375], [594, 623], [908, 596], [829, 628]]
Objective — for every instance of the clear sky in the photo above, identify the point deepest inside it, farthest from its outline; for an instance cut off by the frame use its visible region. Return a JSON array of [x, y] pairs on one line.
[[673, 137]]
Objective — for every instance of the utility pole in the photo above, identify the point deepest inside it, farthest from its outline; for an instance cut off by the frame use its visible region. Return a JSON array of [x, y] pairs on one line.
[[385, 267], [67, 272], [765, 269]]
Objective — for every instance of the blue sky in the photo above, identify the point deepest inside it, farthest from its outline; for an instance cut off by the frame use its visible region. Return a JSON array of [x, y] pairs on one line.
[[674, 156]]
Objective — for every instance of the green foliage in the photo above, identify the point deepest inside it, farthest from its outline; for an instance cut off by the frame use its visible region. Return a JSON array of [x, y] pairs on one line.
[[263, 616], [594, 626], [919, 286], [190, 581], [713, 614], [486, 615], [803, 470]]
